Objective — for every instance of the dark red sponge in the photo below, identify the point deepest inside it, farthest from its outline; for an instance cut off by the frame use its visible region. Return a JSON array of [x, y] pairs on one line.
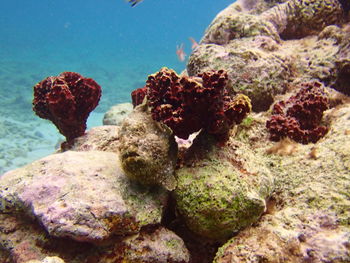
[[67, 101], [300, 116], [189, 104]]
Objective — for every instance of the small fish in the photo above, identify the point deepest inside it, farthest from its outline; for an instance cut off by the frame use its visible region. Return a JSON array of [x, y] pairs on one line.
[[134, 2], [180, 52], [194, 43]]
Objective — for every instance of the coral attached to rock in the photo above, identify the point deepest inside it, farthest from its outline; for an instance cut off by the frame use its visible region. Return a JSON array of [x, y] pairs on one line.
[[187, 105], [299, 117], [67, 101]]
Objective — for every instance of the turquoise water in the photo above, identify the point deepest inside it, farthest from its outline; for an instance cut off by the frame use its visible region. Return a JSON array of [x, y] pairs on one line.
[[108, 40]]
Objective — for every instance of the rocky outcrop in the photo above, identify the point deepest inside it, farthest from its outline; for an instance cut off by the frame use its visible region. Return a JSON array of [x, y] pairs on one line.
[[308, 216], [265, 52]]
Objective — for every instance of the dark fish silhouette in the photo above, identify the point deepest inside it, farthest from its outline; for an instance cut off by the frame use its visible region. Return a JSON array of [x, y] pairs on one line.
[[134, 2]]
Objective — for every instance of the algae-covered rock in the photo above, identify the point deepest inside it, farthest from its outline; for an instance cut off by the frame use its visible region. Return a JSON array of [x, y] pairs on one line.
[[232, 26], [247, 44], [157, 245], [148, 150], [116, 114], [258, 73], [82, 195], [223, 192], [299, 18], [309, 215]]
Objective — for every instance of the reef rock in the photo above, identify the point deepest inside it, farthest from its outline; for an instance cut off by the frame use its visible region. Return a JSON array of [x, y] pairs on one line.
[[116, 114], [102, 138], [148, 150], [308, 215], [266, 50], [81, 195], [223, 191], [47, 260], [158, 245]]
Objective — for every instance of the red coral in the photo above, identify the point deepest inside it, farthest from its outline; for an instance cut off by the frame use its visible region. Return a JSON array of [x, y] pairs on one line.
[[299, 117], [67, 101], [188, 104]]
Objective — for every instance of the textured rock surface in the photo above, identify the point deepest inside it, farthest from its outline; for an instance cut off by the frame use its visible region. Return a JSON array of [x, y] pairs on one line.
[[47, 260], [158, 245], [308, 219], [247, 43], [223, 192], [81, 195], [116, 114], [148, 150], [102, 138]]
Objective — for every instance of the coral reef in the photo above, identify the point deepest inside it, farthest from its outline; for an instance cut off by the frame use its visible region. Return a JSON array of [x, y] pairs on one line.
[[247, 44], [299, 117], [148, 150], [299, 18], [67, 101], [307, 219], [187, 105], [275, 201]]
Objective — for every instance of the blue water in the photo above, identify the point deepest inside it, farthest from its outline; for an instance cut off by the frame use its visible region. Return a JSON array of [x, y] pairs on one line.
[[108, 40]]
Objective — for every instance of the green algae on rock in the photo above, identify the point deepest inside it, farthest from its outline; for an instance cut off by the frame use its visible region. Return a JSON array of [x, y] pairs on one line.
[[299, 18], [148, 149], [224, 192], [310, 220]]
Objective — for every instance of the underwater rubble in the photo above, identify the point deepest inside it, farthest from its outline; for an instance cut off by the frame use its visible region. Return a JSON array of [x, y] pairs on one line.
[[245, 188]]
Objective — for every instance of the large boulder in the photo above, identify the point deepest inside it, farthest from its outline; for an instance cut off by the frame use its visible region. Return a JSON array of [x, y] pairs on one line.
[[81, 195], [223, 192]]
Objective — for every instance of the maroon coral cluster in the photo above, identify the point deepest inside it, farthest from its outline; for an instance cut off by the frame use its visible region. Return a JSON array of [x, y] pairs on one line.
[[300, 116], [188, 104], [67, 101]]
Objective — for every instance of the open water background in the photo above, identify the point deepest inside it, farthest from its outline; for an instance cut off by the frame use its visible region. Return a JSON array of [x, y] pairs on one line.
[[108, 40]]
